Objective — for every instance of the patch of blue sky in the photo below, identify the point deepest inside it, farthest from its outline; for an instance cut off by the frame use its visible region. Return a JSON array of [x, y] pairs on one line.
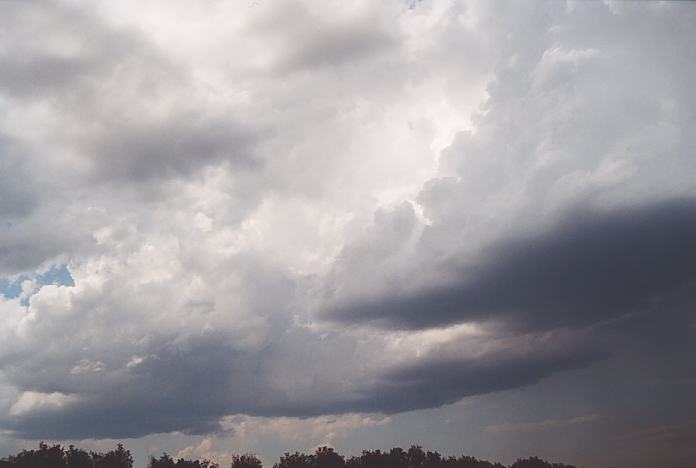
[[59, 275]]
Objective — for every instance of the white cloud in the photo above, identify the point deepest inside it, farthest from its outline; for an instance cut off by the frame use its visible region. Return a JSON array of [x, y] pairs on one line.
[[37, 401]]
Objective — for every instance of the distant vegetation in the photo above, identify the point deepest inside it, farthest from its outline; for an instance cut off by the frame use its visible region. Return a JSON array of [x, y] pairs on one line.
[[57, 456]]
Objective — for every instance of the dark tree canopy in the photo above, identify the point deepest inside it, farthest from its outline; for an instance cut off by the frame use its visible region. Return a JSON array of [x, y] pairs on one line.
[[415, 457], [57, 456], [535, 462], [119, 458], [247, 460], [46, 456], [165, 461], [78, 458], [294, 460]]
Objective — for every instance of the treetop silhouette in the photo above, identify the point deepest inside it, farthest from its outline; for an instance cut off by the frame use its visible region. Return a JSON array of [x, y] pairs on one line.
[[57, 456]]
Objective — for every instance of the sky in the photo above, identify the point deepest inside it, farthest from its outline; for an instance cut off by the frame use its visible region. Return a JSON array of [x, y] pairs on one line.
[[269, 225]]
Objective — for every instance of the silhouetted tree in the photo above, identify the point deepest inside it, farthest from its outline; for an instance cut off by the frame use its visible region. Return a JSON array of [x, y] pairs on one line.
[[294, 460], [195, 464], [368, 459], [118, 458], [55, 456], [397, 458], [247, 460], [165, 461], [534, 462], [415, 457], [469, 462], [78, 458], [47, 456], [325, 457]]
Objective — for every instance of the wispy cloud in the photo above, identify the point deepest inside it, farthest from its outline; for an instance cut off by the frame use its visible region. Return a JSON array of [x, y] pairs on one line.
[[543, 425]]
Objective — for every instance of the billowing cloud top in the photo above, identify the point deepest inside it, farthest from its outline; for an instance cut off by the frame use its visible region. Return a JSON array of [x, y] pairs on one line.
[[308, 208]]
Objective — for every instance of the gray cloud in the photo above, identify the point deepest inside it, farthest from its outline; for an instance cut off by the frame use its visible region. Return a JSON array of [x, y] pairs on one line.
[[179, 388], [189, 386], [591, 267], [167, 148], [16, 198], [433, 383], [74, 61], [504, 189], [109, 87], [304, 37]]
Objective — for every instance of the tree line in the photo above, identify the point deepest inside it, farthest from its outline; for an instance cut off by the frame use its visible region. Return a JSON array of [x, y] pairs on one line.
[[57, 456]]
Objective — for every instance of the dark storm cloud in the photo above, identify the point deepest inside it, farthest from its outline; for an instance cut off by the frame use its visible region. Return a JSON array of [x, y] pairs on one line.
[[183, 387], [190, 385], [433, 383], [444, 376], [589, 268], [103, 420]]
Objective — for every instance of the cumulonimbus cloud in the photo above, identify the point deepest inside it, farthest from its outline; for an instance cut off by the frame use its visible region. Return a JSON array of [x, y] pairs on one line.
[[318, 209]]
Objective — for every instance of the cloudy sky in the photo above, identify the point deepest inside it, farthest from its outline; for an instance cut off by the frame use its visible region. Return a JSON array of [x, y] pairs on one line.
[[264, 225]]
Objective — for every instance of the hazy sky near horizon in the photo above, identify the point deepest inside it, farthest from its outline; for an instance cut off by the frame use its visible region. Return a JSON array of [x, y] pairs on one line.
[[269, 225]]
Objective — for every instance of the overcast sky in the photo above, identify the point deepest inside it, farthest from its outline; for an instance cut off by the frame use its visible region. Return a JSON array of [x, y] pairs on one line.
[[265, 225]]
